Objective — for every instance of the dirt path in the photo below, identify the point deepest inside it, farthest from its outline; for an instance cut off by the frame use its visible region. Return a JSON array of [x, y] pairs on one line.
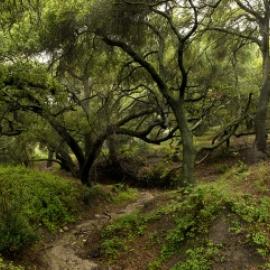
[[63, 253]]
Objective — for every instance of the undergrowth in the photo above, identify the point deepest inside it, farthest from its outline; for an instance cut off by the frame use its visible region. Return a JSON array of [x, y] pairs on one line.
[[30, 200], [199, 258], [191, 213]]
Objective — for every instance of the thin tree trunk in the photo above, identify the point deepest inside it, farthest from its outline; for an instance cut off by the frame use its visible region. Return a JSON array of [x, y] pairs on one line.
[[50, 158]]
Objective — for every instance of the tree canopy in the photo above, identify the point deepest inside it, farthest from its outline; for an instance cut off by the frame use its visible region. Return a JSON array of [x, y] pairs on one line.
[[75, 75]]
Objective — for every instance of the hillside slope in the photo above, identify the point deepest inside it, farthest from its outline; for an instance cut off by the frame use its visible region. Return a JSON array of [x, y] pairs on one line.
[[222, 224]]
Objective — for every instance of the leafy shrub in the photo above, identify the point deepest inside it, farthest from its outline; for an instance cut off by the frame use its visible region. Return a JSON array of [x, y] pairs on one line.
[[29, 200]]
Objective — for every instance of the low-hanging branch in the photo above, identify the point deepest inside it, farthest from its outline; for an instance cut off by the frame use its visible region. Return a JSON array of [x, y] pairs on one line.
[[143, 135]]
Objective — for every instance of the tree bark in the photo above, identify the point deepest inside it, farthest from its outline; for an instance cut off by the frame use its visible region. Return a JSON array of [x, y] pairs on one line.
[[189, 153], [262, 108], [87, 166], [261, 114]]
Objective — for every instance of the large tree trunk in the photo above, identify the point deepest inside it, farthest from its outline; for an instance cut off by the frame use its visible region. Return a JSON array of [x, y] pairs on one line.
[[262, 108], [87, 166], [189, 153], [261, 117]]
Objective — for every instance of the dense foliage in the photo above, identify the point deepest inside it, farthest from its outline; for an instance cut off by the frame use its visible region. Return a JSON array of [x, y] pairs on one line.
[[89, 73], [31, 200]]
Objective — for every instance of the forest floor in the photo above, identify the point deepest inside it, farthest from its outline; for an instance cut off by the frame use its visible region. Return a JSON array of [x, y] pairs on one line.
[[64, 253], [66, 250], [221, 224]]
